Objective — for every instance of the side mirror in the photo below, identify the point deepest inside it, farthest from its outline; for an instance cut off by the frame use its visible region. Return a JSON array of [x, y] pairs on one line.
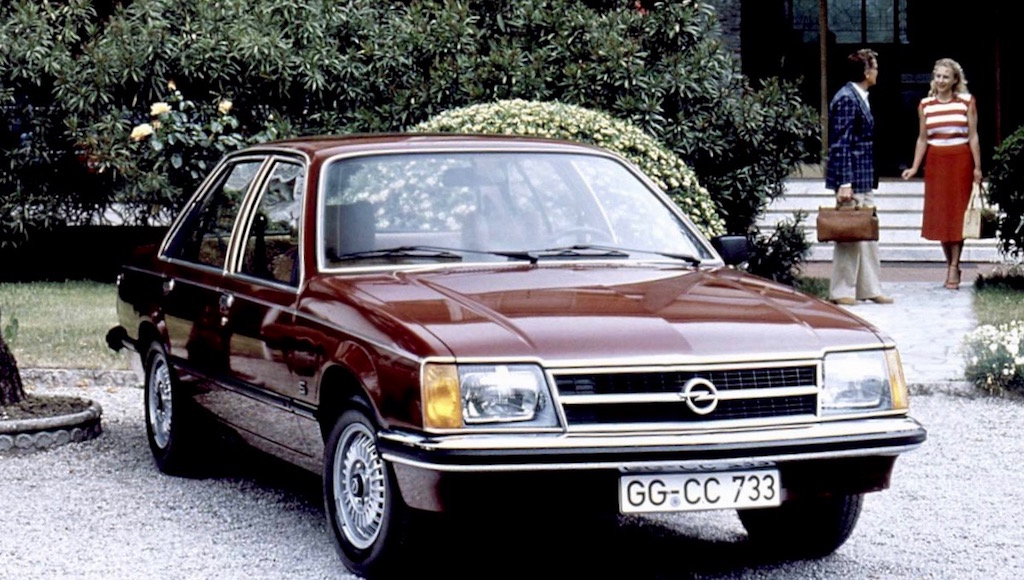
[[734, 249]]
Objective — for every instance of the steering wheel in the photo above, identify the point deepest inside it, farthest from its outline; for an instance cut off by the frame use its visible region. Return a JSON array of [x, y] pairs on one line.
[[580, 235]]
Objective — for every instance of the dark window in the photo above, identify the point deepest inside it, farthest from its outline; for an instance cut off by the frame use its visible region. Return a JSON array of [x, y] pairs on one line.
[[272, 244], [204, 235]]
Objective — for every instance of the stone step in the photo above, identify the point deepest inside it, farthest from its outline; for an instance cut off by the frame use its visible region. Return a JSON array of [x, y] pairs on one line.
[[899, 204], [919, 253]]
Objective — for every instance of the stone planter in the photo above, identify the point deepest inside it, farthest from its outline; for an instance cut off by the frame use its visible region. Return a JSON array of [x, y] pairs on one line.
[[26, 435]]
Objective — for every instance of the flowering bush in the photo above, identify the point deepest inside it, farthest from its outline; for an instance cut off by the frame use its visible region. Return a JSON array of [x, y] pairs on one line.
[[560, 121], [169, 154], [994, 358]]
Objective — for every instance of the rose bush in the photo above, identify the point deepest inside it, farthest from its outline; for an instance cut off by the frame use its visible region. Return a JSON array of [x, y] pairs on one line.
[[172, 150]]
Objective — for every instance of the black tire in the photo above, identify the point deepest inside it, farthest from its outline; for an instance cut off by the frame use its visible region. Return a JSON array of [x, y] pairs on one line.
[[368, 520], [171, 432], [811, 527]]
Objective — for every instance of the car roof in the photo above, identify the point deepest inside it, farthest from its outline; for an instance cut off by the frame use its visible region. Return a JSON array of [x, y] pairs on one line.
[[326, 146]]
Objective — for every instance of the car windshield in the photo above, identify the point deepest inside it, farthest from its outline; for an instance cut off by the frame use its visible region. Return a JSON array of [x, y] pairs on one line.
[[480, 206]]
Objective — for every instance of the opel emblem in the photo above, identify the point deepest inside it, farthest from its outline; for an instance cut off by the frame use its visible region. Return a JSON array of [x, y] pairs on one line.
[[701, 396]]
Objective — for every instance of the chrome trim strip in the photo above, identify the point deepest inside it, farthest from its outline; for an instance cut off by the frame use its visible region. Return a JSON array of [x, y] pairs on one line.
[[723, 395], [728, 364], [880, 427], [652, 466]]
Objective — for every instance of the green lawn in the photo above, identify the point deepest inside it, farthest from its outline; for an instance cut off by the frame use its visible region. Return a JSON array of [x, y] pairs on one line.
[[998, 305], [60, 324]]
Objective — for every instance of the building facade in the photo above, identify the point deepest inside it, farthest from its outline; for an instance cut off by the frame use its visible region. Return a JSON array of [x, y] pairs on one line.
[[783, 38]]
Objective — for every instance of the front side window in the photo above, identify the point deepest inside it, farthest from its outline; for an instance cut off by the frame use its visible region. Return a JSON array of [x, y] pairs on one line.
[[205, 232], [476, 206], [272, 242]]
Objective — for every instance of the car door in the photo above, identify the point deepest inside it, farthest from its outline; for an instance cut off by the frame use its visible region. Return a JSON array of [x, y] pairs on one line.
[[261, 291], [195, 306]]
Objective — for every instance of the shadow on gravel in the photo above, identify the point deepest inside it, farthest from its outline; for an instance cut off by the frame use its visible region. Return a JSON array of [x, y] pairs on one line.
[[636, 548], [546, 546]]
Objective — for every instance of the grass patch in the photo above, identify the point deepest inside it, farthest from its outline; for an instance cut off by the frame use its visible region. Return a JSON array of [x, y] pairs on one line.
[[994, 305], [999, 296], [814, 286], [60, 324]]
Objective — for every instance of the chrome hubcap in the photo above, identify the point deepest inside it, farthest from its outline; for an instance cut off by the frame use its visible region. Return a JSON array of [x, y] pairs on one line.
[[159, 408], [359, 488]]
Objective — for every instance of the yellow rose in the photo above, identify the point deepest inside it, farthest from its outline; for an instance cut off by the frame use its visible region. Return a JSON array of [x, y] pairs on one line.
[[224, 107], [159, 109], [140, 132]]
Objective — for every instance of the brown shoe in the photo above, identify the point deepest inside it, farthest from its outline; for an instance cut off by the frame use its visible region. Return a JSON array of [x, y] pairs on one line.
[[844, 301], [882, 299]]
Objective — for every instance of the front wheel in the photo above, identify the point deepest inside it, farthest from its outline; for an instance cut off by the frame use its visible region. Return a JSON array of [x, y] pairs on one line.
[[811, 527], [367, 517]]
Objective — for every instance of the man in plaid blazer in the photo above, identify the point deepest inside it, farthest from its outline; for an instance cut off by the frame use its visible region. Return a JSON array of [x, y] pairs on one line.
[[856, 269]]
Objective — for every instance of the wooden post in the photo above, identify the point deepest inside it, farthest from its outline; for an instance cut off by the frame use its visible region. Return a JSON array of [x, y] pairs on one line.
[[823, 49]]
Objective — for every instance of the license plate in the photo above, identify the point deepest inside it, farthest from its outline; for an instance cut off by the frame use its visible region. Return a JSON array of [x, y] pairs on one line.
[[680, 492]]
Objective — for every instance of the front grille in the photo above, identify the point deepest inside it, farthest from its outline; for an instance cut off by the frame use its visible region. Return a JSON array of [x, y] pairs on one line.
[[623, 398]]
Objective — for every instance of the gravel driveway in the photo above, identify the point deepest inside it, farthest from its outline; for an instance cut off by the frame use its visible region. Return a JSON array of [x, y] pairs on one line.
[[100, 509]]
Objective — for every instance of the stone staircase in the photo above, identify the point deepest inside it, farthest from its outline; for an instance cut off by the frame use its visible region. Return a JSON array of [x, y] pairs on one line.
[[899, 206]]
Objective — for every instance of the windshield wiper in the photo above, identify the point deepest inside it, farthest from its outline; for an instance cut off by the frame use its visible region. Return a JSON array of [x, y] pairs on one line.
[[613, 252], [437, 252], [397, 252]]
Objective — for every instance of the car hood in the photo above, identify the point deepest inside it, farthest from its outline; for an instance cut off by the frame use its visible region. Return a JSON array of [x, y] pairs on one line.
[[581, 312]]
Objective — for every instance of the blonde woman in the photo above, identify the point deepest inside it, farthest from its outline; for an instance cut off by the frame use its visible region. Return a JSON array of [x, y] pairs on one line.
[[947, 142]]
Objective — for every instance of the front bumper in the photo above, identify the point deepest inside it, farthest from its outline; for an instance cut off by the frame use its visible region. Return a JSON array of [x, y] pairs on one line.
[[850, 456]]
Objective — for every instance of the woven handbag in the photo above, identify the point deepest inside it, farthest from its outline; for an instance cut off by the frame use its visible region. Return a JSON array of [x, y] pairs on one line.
[[847, 224], [980, 221]]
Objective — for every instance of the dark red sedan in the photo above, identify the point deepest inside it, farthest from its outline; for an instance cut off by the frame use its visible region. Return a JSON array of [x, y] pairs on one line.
[[501, 325]]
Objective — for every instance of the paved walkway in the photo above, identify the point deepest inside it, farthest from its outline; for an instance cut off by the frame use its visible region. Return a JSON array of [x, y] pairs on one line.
[[927, 321]]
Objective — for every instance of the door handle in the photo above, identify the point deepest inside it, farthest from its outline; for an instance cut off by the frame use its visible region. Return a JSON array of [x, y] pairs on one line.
[[226, 300], [168, 286]]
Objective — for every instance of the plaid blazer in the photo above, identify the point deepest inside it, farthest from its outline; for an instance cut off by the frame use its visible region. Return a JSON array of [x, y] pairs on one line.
[[851, 147]]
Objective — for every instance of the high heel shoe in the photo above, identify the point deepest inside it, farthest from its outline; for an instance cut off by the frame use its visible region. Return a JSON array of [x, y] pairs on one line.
[[953, 282]]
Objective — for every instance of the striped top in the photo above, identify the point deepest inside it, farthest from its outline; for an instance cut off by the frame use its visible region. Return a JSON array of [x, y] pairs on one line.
[[946, 123]]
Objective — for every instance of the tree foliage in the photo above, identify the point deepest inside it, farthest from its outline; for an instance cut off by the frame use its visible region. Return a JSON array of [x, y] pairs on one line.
[[1006, 190], [75, 85]]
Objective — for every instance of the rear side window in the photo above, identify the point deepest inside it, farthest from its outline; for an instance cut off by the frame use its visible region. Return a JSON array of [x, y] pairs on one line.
[[206, 231], [272, 243]]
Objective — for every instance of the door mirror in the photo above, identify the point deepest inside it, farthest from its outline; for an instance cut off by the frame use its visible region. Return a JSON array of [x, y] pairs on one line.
[[734, 249]]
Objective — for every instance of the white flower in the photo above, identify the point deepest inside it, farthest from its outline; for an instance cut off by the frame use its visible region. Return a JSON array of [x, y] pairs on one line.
[[224, 107], [140, 132], [158, 109]]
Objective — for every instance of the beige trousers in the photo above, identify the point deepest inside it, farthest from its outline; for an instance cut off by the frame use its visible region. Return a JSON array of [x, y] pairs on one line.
[[856, 269]]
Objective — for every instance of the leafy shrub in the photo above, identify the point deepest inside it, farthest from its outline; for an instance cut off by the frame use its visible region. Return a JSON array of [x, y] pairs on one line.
[[323, 67], [1006, 189], [558, 121], [1008, 277], [994, 357], [43, 179], [780, 255]]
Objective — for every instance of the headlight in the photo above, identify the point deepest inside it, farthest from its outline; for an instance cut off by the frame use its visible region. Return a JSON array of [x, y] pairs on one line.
[[455, 396], [863, 381]]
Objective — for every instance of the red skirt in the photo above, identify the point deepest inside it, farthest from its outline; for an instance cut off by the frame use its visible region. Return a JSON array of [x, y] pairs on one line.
[[948, 176]]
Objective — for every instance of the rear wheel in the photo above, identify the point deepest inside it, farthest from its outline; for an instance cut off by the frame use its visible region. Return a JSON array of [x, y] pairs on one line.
[[171, 437], [367, 517], [808, 528]]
